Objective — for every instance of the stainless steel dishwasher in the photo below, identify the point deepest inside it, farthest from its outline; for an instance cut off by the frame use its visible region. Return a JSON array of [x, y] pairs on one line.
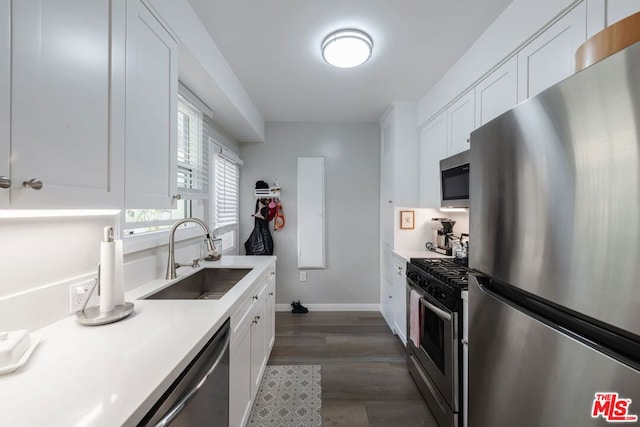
[[200, 395]]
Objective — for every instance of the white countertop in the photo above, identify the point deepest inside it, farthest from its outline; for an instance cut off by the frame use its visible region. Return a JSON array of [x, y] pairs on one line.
[[111, 375], [421, 253]]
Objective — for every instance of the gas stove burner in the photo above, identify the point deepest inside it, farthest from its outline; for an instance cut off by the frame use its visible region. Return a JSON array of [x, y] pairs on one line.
[[445, 270]]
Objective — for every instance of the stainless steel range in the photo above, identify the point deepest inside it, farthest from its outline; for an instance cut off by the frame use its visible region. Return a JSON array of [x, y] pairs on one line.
[[437, 335]]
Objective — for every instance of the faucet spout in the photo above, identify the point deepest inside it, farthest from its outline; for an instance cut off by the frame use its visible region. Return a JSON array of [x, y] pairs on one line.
[[171, 263]]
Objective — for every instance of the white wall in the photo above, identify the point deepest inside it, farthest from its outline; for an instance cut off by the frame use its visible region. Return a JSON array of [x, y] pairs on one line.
[[352, 159]]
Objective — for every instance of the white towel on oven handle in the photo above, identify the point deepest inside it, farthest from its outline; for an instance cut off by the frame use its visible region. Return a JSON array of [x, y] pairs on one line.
[[414, 318]]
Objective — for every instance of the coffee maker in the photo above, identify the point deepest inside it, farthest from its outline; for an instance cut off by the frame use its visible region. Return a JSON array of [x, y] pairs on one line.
[[442, 232]]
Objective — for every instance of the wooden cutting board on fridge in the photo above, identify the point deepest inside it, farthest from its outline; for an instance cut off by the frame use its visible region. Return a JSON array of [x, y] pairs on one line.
[[609, 41]]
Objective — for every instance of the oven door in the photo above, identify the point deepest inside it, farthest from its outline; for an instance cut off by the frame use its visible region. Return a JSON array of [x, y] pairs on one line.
[[438, 350]]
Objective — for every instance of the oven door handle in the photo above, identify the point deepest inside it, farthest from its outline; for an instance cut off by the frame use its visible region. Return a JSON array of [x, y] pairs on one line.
[[435, 310]]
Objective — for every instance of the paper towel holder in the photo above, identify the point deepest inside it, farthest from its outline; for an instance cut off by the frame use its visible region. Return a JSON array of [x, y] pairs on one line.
[[92, 316]]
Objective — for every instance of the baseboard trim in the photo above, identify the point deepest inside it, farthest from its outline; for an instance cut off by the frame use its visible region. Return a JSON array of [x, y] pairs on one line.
[[332, 307]]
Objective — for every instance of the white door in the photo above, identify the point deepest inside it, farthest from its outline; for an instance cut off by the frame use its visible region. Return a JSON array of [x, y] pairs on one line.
[[433, 148], [5, 100], [550, 57], [60, 105], [151, 104], [461, 123], [498, 92]]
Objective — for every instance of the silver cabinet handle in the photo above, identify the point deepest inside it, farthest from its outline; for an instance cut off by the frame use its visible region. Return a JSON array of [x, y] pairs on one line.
[[5, 182], [270, 294], [34, 184], [255, 297], [177, 197], [390, 297]]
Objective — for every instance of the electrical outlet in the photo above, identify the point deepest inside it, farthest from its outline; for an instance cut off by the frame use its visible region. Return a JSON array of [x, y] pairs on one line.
[[303, 276], [78, 293]]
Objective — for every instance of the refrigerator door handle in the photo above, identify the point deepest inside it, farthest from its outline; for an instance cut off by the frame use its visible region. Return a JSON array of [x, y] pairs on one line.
[[435, 310]]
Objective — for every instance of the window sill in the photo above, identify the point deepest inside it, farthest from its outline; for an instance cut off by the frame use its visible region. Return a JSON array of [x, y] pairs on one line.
[[159, 238]]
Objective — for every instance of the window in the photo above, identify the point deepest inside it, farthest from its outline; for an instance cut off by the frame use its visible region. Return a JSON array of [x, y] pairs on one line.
[[192, 176], [226, 189]]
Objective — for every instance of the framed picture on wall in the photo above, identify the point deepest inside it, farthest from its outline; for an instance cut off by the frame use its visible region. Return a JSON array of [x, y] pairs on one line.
[[407, 220]]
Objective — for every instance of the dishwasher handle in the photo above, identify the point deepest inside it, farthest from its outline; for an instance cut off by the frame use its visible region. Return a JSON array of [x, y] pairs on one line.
[[173, 412]]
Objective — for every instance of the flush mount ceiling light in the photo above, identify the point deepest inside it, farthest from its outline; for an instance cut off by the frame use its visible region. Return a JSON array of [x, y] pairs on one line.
[[347, 48]]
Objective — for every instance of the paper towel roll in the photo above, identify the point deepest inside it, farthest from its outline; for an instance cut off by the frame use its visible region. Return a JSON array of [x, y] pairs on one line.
[[107, 275], [118, 292]]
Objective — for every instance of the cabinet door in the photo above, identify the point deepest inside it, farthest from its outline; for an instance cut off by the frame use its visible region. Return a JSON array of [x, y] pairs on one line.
[[151, 105], [550, 57], [240, 374], [620, 9], [433, 148], [5, 97], [461, 123], [386, 302], [497, 92], [399, 300], [258, 343], [60, 115], [386, 182], [271, 310]]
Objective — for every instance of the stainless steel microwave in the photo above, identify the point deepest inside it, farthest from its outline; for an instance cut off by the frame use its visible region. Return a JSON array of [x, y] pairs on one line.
[[454, 181]]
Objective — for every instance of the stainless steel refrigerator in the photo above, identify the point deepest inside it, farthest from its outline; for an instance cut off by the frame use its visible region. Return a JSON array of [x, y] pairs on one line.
[[554, 315]]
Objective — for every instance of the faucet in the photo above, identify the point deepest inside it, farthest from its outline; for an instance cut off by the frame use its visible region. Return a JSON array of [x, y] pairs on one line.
[[172, 264]]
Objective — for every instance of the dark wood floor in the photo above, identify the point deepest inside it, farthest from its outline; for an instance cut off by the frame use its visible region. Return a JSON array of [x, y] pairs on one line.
[[365, 381]]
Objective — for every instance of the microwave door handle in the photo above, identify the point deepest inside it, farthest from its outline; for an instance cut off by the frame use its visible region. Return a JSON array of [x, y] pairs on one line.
[[180, 405], [435, 310]]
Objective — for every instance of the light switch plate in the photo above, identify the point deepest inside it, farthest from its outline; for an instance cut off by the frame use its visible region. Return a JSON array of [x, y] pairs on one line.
[[303, 276]]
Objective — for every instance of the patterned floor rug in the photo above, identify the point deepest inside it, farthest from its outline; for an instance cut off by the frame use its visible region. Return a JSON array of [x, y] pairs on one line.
[[289, 396]]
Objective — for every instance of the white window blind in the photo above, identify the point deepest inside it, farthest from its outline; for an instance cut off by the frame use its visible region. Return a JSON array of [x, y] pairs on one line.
[[193, 167], [226, 190]]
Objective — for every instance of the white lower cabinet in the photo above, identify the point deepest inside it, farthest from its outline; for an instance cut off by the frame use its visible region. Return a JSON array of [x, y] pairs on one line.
[[240, 374], [253, 335], [399, 300]]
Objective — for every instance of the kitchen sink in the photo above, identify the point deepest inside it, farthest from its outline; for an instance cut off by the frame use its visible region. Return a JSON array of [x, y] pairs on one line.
[[208, 283]]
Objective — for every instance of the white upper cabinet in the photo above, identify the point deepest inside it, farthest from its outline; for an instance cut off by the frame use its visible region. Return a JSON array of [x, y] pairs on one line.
[[550, 57], [151, 111], [497, 92], [461, 123], [5, 100], [620, 9], [61, 121], [433, 148]]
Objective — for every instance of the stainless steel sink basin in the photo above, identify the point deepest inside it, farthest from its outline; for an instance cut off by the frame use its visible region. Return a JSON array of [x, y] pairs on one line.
[[208, 283]]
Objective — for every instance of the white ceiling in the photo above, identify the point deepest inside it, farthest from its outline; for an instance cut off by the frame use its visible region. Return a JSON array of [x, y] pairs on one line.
[[273, 47]]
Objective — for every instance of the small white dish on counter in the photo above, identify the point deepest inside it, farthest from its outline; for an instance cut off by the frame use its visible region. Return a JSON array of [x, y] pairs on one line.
[[34, 340]]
